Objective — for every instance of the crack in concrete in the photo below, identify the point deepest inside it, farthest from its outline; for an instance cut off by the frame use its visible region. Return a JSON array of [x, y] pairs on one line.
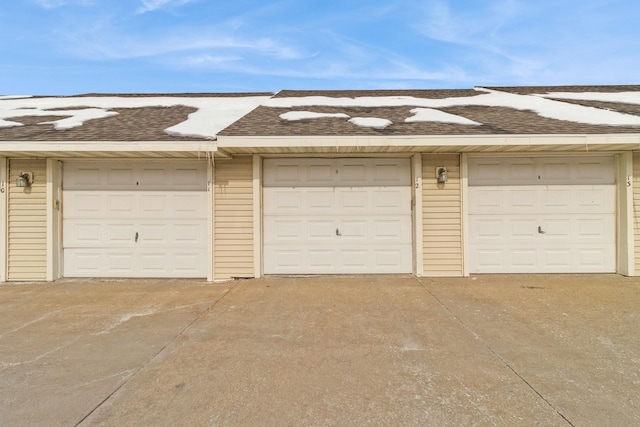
[[6, 365], [157, 355], [148, 312], [39, 319], [494, 352]]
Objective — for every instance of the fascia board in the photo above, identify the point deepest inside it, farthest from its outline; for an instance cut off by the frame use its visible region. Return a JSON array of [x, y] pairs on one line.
[[426, 141], [107, 146]]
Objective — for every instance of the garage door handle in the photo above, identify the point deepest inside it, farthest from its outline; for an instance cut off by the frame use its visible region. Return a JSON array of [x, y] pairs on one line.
[[338, 232], [136, 237], [540, 230]]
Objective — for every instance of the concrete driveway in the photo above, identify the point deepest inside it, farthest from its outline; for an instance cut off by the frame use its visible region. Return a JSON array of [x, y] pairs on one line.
[[558, 350]]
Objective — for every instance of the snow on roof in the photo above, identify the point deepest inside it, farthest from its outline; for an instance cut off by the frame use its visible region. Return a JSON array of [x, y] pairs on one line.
[[431, 115], [622, 97], [213, 113], [489, 98], [306, 115], [371, 122], [216, 112]]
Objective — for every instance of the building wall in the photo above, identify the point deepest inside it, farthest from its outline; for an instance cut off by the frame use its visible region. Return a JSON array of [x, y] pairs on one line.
[[442, 217], [233, 218], [27, 222]]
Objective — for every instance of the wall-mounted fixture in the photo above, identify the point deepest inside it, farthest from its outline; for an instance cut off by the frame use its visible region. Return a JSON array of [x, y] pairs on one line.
[[441, 175], [25, 179]]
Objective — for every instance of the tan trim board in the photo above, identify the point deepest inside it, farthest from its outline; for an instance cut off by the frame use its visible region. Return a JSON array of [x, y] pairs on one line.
[[464, 189], [626, 246], [3, 221], [211, 273], [417, 216], [53, 185], [257, 216]]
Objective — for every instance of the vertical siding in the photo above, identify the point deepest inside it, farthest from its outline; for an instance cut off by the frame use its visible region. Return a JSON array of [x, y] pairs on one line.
[[233, 218], [442, 217], [27, 223], [636, 211]]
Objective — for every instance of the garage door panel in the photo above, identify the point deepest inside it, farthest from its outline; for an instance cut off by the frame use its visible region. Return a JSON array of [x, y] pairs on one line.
[[319, 230], [352, 200], [129, 176], [135, 219], [510, 199], [538, 259], [132, 263], [523, 258], [153, 204], [354, 173], [284, 229], [559, 219], [353, 230], [597, 170], [328, 216], [355, 259], [120, 204], [82, 205], [391, 172], [120, 176], [296, 201], [555, 229], [594, 258], [320, 199], [321, 259], [522, 229]]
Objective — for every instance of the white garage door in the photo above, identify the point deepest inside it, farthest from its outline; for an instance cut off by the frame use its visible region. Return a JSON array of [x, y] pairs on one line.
[[135, 219], [542, 215], [335, 216]]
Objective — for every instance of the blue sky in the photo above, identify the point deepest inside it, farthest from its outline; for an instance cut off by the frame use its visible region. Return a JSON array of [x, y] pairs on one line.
[[60, 47]]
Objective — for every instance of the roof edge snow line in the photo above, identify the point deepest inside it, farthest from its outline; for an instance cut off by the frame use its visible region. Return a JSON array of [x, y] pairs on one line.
[[422, 116]]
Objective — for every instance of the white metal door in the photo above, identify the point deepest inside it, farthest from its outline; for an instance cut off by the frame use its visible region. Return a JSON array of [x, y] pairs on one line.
[[135, 219], [542, 215], [334, 216]]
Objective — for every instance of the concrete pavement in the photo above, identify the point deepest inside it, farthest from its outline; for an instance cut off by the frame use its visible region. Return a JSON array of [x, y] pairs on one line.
[[374, 350]]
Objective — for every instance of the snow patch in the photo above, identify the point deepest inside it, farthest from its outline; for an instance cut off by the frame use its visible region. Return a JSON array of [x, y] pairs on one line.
[[431, 115], [622, 97], [371, 122], [303, 115]]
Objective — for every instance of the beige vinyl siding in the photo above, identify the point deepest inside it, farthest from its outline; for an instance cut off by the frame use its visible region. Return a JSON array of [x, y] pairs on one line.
[[442, 217], [27, 223], [233, 218], [636, 211]]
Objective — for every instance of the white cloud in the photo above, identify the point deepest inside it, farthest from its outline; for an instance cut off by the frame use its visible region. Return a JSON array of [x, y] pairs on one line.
[[152, 5], [50, 4]]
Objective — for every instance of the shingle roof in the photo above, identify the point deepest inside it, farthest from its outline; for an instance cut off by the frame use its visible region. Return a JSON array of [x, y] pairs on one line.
[[491, 119], [140, 122]]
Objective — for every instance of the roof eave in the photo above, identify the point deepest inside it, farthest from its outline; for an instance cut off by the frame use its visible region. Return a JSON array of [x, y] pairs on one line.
[[107, 148], [632, 139]]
